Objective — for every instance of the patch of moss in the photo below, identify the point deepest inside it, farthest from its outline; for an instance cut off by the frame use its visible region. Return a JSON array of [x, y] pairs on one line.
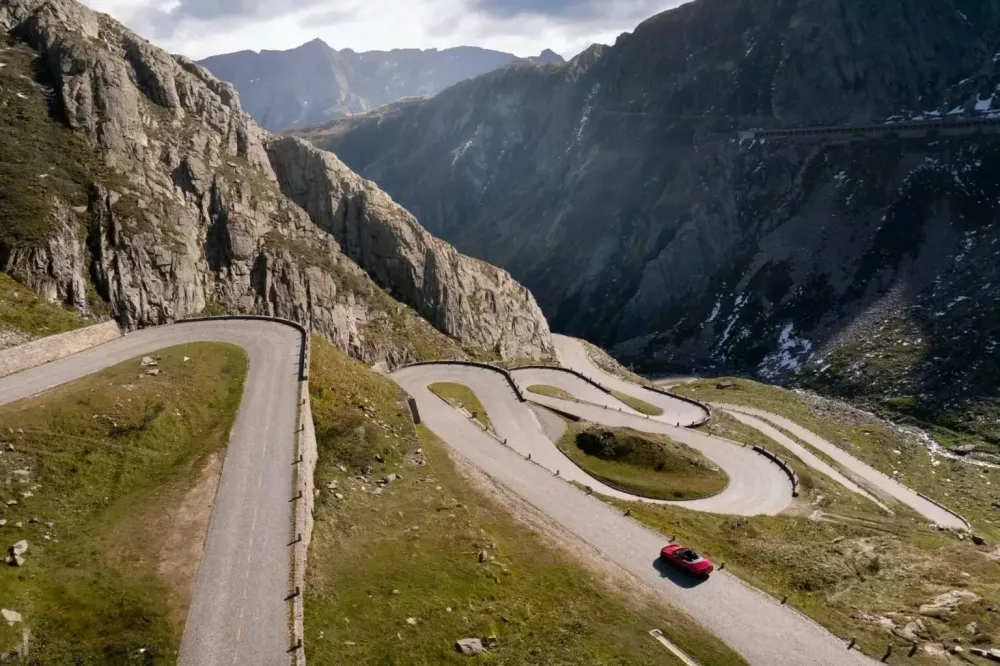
[[41, 160]]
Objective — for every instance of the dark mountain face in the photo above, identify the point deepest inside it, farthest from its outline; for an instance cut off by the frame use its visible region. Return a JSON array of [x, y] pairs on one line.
[[616, 188], [548, 56], [315, 83]]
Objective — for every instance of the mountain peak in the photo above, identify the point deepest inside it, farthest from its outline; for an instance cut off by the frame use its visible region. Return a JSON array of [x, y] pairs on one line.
[[548, 56], [314, 83], [314, 44]]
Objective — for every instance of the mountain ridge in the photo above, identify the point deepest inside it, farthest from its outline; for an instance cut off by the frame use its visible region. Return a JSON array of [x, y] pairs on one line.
[[617, 189], [143, 190], [314, 82]]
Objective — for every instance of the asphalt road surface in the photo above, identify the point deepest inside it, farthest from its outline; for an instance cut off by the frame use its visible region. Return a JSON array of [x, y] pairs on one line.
[[238, 614], [572, 354], [756, 485], [873, 477], [804, 454], [755, 625]]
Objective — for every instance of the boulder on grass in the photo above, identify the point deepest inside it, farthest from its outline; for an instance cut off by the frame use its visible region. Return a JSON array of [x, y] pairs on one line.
[[470, 646]]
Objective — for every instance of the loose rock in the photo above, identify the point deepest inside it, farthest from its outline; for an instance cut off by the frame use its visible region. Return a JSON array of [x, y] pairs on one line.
[[946, 605], [470, 646]]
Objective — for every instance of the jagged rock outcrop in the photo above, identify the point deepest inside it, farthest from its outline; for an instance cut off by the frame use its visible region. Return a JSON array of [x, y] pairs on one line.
[[185, 214], [466, 297]]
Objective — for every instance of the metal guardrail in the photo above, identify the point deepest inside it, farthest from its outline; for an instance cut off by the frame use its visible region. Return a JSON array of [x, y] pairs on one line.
[[702, 406], [559, 368], [473, 364], [792, 476], [933, 501], [705, 408]]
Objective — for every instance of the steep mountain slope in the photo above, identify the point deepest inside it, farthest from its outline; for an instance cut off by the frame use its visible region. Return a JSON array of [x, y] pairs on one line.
[[315, 83], [616, 189], [133, 180]]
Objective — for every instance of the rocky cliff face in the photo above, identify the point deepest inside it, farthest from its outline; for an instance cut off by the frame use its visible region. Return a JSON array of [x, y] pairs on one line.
[[160, 201], [616, 189], [315, 83], [466, 297]]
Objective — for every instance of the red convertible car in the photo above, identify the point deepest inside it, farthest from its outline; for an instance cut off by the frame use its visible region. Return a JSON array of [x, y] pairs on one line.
[[685, 559]]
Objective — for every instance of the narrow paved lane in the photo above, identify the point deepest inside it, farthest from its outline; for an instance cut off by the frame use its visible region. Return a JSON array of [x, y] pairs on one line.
[[238, 614], [883, 483], [756, 486], [805, 455], [757, 626], [572, 354]]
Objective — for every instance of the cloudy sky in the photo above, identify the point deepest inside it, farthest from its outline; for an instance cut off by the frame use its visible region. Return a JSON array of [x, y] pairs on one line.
[[199, 28]]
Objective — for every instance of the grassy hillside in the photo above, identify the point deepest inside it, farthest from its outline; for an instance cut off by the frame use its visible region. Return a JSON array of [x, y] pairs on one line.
[[463, 397], [110, 480], [399, 571], [41, 159], [23, 312], [642, 464]]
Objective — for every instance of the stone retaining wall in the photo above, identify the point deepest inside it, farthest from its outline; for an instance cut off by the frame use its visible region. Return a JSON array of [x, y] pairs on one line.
[[55, 347]]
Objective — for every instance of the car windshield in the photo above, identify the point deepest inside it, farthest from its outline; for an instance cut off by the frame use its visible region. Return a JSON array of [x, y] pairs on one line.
[[688, 555]]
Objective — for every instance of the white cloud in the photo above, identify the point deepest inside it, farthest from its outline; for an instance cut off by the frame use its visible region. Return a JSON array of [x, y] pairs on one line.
[[221, 26]]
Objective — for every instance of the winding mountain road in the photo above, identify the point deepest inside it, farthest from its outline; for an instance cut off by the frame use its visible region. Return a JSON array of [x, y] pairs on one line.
[[928, 509], [573, 354], [805, 455], [762, 630], [238, 612]]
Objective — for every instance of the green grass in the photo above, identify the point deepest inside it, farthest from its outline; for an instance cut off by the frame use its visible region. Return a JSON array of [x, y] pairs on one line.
[[412, 551], [638, 405], [111, 458], [40, 158], [959, 486], [552, 392], [458, 395], [851, 558], [646, 465], [22, 310]]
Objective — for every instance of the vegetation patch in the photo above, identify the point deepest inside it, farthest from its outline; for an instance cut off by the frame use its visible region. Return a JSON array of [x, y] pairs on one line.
[[638, 405], [462, 397], [41, 159], [642, 464], [23, 311], [93, 474], [400, 570], [552, 392]]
